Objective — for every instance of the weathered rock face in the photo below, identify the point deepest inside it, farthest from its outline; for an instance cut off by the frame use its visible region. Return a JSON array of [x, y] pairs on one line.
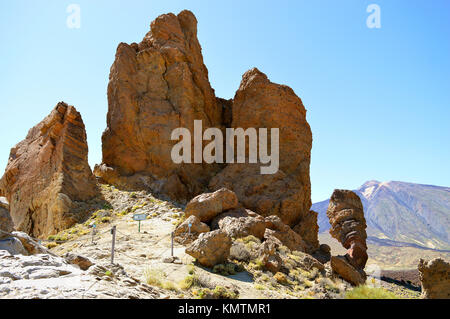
[[276, 228], [237, 212], [208, 205], [210, 248], [341, 266], [83, 262], [435, 278], [48, 174], [161, 84], [348, 225], [259, 103], [182, 233], [237, 227], [156, 86], [6, 223]]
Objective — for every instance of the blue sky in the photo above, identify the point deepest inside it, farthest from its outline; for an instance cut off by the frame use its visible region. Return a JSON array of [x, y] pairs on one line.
[[377, 100]]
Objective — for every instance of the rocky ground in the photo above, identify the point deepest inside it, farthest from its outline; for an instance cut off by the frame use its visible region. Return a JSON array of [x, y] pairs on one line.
[[142, 264]]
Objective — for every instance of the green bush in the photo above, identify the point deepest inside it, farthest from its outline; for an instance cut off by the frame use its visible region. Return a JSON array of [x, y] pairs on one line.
[[366, 292]]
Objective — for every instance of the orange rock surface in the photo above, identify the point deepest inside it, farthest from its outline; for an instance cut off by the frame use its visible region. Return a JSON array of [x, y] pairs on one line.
[[48, 174]]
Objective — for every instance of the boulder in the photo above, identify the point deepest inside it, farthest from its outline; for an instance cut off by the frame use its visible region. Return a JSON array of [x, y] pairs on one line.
[[308, 262], [210, 248], [348, 225], [48, 175], [13, 246], [269, 255], [83, 262], [342, 267], [240, 251], [155, 87], [259, 103], [237, 227], [276, 228], [209, 205], [181, 233], [435, 278], [323, 254], [31, 246], [6, 223], [238, 212]]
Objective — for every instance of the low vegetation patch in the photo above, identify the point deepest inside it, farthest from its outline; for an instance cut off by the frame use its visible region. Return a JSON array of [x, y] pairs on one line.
[[366, 292]]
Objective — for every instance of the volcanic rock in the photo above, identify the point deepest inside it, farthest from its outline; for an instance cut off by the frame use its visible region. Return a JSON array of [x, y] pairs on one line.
[[435, 278], [348, 225], [276, 228], [342, 266], [182, 233], [209, 205], [237, 212], [81, 261], [6, 223], [259, 103], [210, 248], [237, 227], [155, 87], [48, 174]]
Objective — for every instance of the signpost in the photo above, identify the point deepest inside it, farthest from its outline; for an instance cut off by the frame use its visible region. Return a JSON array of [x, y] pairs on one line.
[[139, 217]]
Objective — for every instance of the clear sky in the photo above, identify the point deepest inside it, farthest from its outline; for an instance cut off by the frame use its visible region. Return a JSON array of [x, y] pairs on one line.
[[377, 99]]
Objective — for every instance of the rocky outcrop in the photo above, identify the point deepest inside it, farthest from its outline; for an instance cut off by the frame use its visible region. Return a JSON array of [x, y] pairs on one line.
[[323, 254], [162, 84], [435, 278], [276, 228], [259, 103], [210, 248], [185, 235], [341, 266], [48, 174], [237, 212], [18, 243], [348, 226], [6, 223], [154, 87], [237, 227], [83, 262], [45, 276], [209, 205]]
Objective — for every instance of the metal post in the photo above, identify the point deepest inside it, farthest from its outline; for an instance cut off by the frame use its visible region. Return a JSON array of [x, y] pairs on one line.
[[93, 232], [172, 243], [139, 230], [113, 232]]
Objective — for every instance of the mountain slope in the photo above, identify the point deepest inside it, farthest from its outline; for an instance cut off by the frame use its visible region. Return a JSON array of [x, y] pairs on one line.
[[402, 212]]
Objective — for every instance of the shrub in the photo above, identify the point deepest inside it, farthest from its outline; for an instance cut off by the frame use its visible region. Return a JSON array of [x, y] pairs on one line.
[[366, 292], [281, 278], [217, 293], [51, 245], [154, 277]]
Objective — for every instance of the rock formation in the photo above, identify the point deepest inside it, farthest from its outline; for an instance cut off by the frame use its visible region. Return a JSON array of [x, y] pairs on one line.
[[289, 238], [259, 103], [348, 226], [48, 174], [161, 84], [211, 248], [209, 205], [237, 227], [6, 223], [435, 278], [156, 86], [185, 235]]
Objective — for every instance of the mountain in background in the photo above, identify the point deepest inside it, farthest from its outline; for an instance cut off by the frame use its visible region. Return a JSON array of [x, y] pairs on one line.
[[401, 214]]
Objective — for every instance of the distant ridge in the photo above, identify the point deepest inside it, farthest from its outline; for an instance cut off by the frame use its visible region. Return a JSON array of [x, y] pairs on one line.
[[400, 213]]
